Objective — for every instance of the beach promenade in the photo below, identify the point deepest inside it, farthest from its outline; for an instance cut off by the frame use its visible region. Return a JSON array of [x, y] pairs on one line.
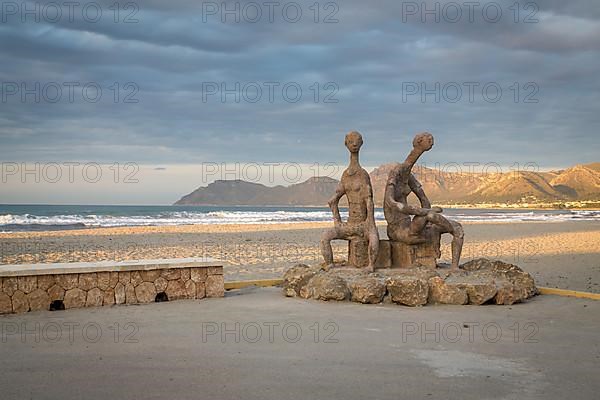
[[256, 344]]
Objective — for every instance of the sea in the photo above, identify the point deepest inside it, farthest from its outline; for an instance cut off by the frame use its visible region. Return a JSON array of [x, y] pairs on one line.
[[15, 218]]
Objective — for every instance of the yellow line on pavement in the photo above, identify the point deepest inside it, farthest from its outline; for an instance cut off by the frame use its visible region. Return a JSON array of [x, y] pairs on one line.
[[260, 282], [569, 293], [543, 290]]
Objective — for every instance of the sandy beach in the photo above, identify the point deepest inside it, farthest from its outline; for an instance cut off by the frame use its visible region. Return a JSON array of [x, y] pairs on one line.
[[558, 254]]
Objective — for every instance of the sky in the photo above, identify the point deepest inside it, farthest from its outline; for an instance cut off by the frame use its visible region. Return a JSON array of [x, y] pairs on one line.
[[172, 89]]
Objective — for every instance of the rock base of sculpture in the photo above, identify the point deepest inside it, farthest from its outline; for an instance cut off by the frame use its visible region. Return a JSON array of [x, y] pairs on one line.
[[480, 281], [400, 255]]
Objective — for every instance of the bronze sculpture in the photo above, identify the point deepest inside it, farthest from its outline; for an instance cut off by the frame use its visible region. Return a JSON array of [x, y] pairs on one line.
[[406, 262], [414, 232], [427, 224], [360, 229]]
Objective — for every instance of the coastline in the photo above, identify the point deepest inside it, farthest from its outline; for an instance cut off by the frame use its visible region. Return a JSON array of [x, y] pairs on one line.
[[218, 228], [22, 220], [560, 254]]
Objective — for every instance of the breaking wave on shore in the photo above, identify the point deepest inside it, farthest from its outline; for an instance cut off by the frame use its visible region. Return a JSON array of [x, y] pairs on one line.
[[33, 218]]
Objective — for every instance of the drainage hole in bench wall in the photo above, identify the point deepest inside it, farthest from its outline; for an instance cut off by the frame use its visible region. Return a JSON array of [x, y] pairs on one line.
[[160, 297], [57, 305]]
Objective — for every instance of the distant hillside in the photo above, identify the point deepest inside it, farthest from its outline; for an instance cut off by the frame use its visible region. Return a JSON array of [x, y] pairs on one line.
[[578, 183], [581, 181], [313, 192]]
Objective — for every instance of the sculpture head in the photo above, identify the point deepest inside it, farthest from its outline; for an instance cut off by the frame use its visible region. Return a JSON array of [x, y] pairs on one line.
[[423, 141], [353, 141]]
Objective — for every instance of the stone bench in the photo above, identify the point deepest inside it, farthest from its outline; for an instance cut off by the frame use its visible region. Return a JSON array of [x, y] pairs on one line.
[[32, 287]]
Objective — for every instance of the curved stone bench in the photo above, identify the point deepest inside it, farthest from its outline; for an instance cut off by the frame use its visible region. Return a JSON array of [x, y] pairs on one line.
[[32, 287]]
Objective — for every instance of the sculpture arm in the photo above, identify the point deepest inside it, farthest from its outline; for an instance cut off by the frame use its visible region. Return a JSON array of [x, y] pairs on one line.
[[404, 208], [334, 202], [417, 189], [370, 207]]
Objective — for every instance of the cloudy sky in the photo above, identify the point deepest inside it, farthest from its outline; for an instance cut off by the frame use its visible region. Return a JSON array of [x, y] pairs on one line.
[[184, 83]]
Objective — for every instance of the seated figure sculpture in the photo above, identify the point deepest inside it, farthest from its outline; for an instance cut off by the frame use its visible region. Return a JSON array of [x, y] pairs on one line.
[[360, 227], [427, 224]]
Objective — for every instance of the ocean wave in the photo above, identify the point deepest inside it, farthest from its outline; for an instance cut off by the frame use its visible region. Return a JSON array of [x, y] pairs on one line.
[[72, 221], [529, 216], [167, 218]]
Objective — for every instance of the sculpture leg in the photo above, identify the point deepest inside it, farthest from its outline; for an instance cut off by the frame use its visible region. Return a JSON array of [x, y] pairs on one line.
[[440, 221], [433, 232], [457, 243], [417, 225], [326, 251], [415, 232], [373, 235], [455, 229]]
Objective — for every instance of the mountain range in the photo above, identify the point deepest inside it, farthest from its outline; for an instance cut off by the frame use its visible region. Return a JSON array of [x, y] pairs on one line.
[[578, 183]]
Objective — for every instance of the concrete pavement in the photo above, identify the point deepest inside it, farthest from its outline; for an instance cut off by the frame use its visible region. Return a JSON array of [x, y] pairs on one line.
[[256, 344]]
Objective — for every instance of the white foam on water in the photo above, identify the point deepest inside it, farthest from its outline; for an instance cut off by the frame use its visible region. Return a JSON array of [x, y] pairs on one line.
[[169, 218], [268, 217], [525, 216]]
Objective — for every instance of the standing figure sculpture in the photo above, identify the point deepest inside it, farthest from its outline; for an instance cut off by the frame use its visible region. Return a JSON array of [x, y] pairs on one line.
[[356, 185], [427, 224]]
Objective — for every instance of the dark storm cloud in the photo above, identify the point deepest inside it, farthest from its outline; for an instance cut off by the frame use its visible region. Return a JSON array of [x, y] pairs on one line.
[[371, 54]]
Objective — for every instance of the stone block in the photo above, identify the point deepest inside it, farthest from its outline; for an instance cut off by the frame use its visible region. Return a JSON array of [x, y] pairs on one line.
[[215, 286], [38, 300], [150, 276], [103, 280], [45, 282], [198, 274], [114, 279], [367, 290], [67, 281], [200, 290], [119, 293], [19, 302], [136, 278], [296, 277], [327, 286], [145, 292], [130, 294], [171, 274], [384, 256], [185, 274], [27, 284], [413, 255], [441, 292], [161, 284], [56, 292], [75, 298], [109, 297], [176, 290], [409, 291], [95, 298], [5, 304], [9, 285], [190, 289], [358, 252], [88, 281], [124, 277]]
